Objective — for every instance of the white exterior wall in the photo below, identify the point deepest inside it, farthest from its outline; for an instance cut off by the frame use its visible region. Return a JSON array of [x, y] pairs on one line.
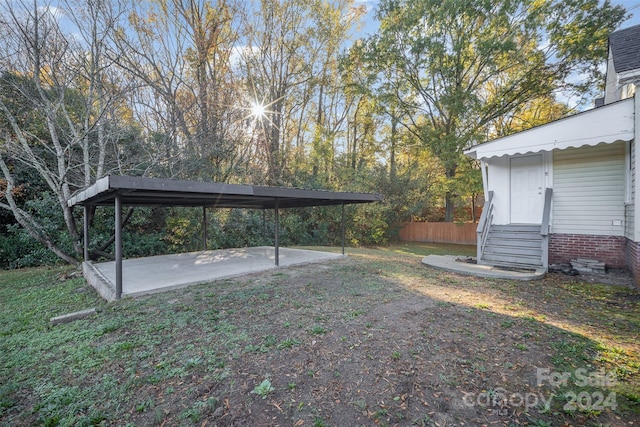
[[629, 226], [611, 91], [589, 190], [498, 182]]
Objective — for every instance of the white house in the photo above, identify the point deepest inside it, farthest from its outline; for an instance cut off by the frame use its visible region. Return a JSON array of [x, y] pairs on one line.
[[567, 189]]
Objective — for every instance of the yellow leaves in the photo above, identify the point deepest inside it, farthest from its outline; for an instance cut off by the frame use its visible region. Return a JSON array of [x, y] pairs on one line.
[[16, 192], [152, 18], [537, 112], [179, 231], [45, 75], [134, 19]]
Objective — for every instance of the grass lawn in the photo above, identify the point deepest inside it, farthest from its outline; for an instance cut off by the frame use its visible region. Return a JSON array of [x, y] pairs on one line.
[[376, 338]]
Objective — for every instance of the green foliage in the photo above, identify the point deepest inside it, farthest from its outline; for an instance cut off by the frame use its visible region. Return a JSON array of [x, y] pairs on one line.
[[46, 150], [369, 225], [155, 231], [7, 400], [182, 232], [144, 244], [447, 69], [288, 343], [234, 228], [143, 233], [263, 389], [18, 249]]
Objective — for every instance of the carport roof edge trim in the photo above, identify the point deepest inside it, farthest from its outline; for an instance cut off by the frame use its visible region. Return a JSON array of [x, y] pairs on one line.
[[142, 191]]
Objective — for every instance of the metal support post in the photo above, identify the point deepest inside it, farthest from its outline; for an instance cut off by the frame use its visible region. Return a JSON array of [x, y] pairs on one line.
[[277, 243], [342, 214], [118, 243], [86, 233], [204, 227]]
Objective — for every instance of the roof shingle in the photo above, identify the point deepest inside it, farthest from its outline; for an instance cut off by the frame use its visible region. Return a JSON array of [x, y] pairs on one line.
[[625, 49]]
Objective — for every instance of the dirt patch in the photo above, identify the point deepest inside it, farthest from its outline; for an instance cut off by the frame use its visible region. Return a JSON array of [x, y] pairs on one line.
[[403, 346], [611, 277]]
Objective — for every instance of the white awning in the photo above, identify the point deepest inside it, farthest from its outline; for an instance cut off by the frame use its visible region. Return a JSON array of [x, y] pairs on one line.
[[607, 124]]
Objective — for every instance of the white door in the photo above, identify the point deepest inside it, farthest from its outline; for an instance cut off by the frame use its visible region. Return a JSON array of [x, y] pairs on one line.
[[527, 200]]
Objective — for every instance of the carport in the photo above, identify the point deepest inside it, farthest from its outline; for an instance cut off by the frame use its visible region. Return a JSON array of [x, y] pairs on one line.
[[119, 191]]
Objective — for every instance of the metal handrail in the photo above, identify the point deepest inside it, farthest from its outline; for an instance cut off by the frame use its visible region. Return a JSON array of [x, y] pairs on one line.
[[485, 232], [483, 216]]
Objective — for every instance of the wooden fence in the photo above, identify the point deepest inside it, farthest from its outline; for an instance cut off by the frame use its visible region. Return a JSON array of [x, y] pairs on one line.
[[439, 232]]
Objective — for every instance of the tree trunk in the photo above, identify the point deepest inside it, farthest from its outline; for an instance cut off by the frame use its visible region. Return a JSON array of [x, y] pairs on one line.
[[474, 197], [449, 197], [392, 151]]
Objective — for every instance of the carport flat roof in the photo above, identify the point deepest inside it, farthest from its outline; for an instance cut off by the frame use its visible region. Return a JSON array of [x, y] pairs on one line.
[[139, 191]]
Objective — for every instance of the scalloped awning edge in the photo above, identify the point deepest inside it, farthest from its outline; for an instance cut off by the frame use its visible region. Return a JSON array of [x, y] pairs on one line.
[[605, 125]]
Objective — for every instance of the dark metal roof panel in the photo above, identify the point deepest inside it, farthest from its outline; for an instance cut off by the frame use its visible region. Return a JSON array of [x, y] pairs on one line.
[[625, 49], [139, 191]]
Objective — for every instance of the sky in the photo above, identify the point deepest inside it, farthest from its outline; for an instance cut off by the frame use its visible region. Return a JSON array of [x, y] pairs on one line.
[[633, 7]]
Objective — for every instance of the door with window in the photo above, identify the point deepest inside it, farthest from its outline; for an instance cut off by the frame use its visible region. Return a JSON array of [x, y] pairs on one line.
[[527, 192]]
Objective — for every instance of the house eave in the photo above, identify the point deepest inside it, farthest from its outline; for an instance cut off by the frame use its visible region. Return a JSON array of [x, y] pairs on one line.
[[605, 125], [631, 76]]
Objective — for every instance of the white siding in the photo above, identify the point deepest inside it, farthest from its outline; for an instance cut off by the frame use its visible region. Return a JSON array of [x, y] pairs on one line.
[[498, 180], [630, 207], [612, 92], [589, 190]]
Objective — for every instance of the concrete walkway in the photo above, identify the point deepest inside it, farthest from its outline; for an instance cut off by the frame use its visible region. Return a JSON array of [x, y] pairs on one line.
[[166, 272], [449, 263]]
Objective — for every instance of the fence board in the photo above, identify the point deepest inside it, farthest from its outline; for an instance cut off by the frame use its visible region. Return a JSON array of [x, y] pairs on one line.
[[439, 232]]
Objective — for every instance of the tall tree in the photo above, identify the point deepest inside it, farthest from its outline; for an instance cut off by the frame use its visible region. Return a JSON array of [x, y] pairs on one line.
[[290, 62], [180, 53], [60, 112], [465, 63]]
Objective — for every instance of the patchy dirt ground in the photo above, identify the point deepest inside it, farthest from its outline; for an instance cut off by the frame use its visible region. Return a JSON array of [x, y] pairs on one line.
[[401, 346], [374, 339]]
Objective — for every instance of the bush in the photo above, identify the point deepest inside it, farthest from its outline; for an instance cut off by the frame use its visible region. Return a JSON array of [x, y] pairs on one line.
[[19, 250], [369, 225]]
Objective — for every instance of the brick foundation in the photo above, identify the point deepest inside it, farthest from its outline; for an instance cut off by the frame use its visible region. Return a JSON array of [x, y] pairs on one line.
[[633, 260], [610, 249]]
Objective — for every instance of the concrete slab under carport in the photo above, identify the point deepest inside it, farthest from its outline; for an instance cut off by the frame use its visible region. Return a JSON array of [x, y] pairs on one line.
[[167, 272]]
